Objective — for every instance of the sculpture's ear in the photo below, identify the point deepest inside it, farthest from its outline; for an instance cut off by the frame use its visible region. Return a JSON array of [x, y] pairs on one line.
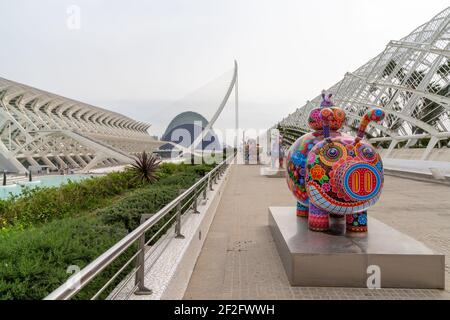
[[330, 95], [326, 115], [323, 94]]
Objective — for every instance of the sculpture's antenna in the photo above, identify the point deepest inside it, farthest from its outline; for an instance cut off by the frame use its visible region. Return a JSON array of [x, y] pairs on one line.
[[375, 115]]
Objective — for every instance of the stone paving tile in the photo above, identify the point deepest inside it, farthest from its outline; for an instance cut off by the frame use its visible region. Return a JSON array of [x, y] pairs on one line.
[[243, 262]]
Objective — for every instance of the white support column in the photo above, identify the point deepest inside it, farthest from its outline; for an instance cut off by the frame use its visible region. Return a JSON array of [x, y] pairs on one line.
[[410, 143], [429, 148], [87, 158], [98, 158], [394, 142], [13, 160], [31, 161], [48, 162], [80, 160], [60, 161], [72, 162]]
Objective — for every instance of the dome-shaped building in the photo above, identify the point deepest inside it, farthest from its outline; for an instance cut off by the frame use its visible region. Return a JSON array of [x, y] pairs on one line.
[[184, 129]]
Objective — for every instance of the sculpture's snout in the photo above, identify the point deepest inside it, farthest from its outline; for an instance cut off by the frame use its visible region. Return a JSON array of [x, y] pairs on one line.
[[359, 180]]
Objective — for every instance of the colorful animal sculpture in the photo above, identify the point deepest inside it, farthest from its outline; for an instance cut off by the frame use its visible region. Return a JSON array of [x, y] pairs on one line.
[[281, 152], [334, 176]]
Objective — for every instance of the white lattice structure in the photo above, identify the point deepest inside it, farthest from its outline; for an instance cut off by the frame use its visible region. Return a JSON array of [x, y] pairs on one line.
[[410, 79], [41, 128]]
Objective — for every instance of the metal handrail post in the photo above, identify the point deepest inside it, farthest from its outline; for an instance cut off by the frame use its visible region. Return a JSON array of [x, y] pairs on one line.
[[205, 190], [210, 183], [194, 207], [178, 234], [139, 279]]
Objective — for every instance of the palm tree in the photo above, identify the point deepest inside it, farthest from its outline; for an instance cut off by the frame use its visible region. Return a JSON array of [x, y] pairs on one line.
[[145, 167]]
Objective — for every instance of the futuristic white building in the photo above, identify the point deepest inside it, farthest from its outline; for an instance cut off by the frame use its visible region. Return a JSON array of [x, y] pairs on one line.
[[410, 80], [41, 128]]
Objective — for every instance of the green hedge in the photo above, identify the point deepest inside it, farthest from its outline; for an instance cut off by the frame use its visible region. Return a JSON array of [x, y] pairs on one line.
[[34, 261], [40, 205], [128, 211], [168, 169]]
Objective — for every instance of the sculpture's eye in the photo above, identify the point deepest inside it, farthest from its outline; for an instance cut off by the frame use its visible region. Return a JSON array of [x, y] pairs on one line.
[[331, 153], [367, 153]]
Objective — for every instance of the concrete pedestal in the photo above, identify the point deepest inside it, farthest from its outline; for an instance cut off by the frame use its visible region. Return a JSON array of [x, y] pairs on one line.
[[319, 259]]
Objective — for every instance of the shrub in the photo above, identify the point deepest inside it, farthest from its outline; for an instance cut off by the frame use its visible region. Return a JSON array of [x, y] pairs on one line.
[[202, 169], [127, 212], [34, 261], [40, 205], [180, 180], [166, 169]]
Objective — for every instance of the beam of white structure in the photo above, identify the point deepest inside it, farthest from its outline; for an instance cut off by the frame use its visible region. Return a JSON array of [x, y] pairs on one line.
[[219, 110]]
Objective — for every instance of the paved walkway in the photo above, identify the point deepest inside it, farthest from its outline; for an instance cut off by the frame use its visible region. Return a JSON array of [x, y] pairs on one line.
[[239, 259]]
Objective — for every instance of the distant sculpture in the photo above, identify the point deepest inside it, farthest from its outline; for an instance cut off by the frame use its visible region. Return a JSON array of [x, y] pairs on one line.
[[277, 153], [281, 152], [274, 153], [334, 176]]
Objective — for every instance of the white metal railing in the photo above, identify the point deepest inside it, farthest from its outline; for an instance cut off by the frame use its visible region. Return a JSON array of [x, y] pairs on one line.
[[173, 210]]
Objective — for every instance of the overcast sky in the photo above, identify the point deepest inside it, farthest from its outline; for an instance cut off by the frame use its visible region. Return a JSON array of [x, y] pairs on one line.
[[136, 57]]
